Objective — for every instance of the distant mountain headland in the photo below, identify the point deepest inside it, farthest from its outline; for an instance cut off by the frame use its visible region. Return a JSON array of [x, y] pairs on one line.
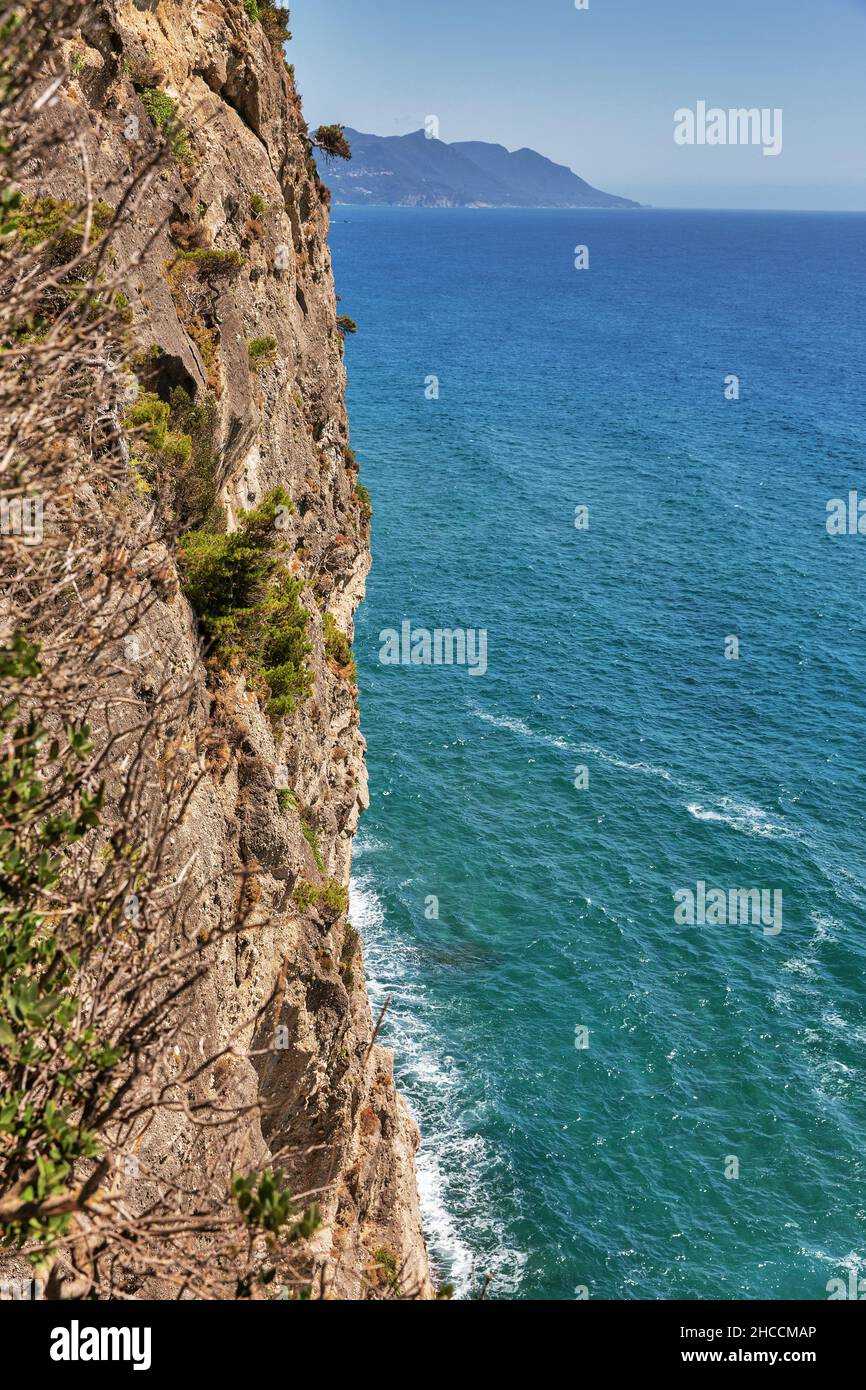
[[416, 171]]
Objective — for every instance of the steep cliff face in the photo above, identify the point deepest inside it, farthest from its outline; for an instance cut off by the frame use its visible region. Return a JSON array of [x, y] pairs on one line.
[[233, 252]]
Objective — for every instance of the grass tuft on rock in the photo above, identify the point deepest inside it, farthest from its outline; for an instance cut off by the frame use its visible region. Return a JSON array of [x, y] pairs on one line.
[[338, 648], [55, 225], [162, 110], [332, 899], [312, 840], [365, 502], [262, 353], [174, 444]]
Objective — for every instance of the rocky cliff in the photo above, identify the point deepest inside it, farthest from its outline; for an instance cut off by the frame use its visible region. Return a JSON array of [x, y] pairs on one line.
[[233, 302]]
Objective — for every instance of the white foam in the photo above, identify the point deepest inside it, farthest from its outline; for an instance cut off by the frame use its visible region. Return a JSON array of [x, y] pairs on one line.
[[852, 1263], [834, 1021], [366, 844], [823, 928], [805, 964], [742, 816], [516, 726], [522, 730], [648, 769], [431, 1083], [856, 888], [800, 967], [365, 910]]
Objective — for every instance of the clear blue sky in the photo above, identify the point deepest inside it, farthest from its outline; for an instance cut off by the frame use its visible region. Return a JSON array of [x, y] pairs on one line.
[[597, 89]]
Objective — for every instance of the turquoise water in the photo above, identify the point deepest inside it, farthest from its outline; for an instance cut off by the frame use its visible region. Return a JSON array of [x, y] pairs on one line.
[[547, 1165]]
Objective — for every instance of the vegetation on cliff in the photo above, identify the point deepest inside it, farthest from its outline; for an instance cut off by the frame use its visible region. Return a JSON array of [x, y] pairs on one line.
[[249, 604], [331, 140], [177, 485], [99, 956], [162, 110], [175, 443]]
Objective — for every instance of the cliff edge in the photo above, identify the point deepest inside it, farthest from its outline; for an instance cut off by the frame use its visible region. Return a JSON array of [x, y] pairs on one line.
[[234, 320]]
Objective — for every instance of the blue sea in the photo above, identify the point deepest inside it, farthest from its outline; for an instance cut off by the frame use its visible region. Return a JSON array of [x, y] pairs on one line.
[[708, 1141]]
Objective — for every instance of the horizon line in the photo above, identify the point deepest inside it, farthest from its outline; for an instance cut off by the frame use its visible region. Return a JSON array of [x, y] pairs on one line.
[[640, 207]]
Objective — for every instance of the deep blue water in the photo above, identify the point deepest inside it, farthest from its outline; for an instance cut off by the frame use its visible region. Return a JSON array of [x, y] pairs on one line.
[[547, 1165]]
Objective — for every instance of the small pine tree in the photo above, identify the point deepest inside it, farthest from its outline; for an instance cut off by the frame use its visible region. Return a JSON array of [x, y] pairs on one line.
[[331, 140]]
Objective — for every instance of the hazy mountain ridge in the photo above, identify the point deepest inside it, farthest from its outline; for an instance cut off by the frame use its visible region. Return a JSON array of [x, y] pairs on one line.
[[414, 171]]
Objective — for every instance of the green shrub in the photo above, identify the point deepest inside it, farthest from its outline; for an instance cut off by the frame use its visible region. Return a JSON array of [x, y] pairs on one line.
[[387, 1262], [365, 502], [252, 10], [42, 1134], [305, 894], [334, 897], [331, 140], [162, 110], [209, 261], [265, 1204], [55, 225], [223, 578], [257, 202], [143, 487], [149, 414], [11, 203], [286, 800], [175, 450], [249, 605], [195, 483], [275, 22], [337, 646], [284, 645], [346, 325], [312, 840], [262, 353]]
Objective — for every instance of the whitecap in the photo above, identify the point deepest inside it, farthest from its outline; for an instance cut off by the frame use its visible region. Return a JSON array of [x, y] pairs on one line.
[[517, 726], [805, 964], [742, 816], [648, 769], [852, 1262], [823, 928], [366, 844], [837, 1024], [800, 967], [513, 725]]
